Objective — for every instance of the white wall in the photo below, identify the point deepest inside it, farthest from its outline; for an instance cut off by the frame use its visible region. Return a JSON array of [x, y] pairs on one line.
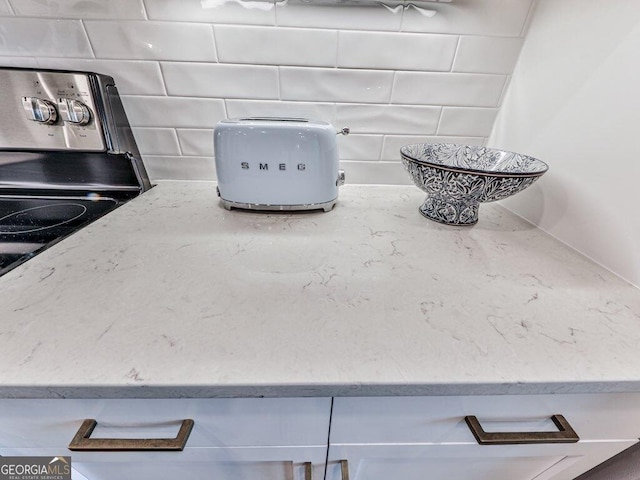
[[391, 73], [574, 102]]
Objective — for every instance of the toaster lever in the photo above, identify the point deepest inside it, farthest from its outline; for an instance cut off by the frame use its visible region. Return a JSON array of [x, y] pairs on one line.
[[344, 131]]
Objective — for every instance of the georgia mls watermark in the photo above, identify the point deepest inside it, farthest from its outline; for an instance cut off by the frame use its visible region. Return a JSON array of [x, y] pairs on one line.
[[35, 468]]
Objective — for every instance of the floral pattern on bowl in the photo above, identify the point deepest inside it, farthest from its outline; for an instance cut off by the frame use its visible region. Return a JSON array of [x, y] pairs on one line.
[[457, 178]]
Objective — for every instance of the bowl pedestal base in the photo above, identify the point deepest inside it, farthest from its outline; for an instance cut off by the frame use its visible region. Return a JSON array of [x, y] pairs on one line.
[[451, 212]]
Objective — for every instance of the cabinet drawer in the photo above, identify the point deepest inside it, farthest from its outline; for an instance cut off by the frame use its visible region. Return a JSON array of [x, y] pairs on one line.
[[264, 463], [234, 422], [441, 419], [193, 471], [467, 461]]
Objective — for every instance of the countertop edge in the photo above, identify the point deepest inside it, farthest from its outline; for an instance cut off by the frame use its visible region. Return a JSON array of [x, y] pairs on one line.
[[282, 391]]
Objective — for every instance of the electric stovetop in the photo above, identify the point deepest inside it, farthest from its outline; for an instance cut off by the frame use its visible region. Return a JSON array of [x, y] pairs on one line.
[[30, 224]]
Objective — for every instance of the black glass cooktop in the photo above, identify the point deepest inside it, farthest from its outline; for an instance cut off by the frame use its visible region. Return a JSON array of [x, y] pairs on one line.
[[30, 224]]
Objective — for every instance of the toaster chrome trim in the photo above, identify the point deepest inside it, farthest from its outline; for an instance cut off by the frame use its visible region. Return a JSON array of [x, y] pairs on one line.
[[274, 119], [326, 206]]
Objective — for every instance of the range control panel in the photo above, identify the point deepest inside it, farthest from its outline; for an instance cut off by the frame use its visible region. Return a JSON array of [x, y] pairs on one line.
[[44, 110]]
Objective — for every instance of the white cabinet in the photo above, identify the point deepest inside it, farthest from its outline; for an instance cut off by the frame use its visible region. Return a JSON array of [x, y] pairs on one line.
[[380, 438], [418, 438], [266, 439]]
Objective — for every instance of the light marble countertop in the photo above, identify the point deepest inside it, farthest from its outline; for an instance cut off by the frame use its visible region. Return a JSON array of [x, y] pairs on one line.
[[171, 296]]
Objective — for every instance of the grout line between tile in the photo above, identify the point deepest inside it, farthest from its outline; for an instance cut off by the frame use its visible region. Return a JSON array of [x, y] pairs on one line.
[[393, 88], [279, 82], [275, 13], [455, 54], [338, 35], [224, 107], [271, 65], [318, 101], [164, 82], [382, 147], [402, 14], [144, 9], [215, 43], [175, 132], [11, 9], [86, 34], [438, 125]]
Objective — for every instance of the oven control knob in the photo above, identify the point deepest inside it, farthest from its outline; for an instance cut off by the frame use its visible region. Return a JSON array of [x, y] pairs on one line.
[[73, 111], [39, 110]]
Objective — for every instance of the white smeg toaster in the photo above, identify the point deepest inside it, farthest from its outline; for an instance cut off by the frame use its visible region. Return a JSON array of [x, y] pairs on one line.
[[272, 163]]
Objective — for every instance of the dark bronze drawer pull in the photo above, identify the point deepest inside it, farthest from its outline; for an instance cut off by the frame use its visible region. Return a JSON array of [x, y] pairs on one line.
[[82, 440], [344, 466], [307, 471], [565, 434]]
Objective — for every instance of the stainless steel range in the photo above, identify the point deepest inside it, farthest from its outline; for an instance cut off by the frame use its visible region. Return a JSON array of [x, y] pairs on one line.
[[67, 157]]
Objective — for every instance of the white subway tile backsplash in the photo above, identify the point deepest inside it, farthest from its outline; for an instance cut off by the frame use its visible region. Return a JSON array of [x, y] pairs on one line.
[[467, 121], [173, 112], [196, 142], [42, 37], [145, 40], [487, 54], [276, 46], [161, 167], [396, 51], [393, 143], [253, 108], [243, 12], [132, 77], [221, 81], [24, 62], [477, 17], [334, 85], [464, 89], [389, 72], [371, 17], [388, 118], [116, 9], [359, 147], [375, 173], [157, 141]]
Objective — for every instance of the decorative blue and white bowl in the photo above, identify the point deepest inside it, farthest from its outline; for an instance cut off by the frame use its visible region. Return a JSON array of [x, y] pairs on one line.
[[457, 178]]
